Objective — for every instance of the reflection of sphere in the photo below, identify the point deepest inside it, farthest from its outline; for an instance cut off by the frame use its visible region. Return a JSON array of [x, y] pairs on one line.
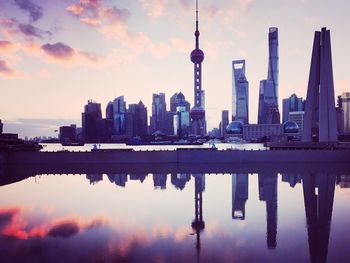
[[197, 56], [235, 127], [198, 226], [197, 113], [290, 127]]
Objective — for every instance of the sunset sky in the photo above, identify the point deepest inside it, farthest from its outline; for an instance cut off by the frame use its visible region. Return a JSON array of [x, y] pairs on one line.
[[55, 55]]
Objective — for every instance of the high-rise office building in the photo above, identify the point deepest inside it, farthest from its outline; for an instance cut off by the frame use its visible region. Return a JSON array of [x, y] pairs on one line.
[[320, 117], [240, 92], [181, 121], [224, 122], [119, 117], [198, 123], [268, 112], [138, 119], [92, 113], [158, 118], [293, 103], [109, 111], [176, 100], [345, 105]]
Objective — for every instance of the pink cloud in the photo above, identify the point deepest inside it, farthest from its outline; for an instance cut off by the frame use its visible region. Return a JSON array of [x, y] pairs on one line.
[[5, 69], [181, 45], [7, 46], [154, 8], [112, 22]]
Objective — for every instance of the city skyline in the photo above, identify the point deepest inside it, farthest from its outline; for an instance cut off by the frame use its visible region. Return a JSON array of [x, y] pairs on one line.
[[49, 65]]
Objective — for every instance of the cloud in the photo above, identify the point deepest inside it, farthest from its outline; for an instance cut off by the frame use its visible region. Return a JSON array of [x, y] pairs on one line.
[[32, 31], [7, 46], [245, 4], [181, 45], [35, 11], [154, 8], [64, 229], [59, 51], [5, 69]]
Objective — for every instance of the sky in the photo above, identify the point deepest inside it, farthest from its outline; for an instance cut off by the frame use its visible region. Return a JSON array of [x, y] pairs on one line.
[[56, 55]]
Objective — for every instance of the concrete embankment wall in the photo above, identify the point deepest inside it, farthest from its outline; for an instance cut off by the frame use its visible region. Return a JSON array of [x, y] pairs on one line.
[[203, 156]]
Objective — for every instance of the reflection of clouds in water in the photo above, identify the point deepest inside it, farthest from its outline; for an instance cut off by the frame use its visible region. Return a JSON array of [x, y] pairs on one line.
[[14, 224]]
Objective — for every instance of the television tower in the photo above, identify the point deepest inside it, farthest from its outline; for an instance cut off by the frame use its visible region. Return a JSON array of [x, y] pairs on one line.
[[198, 123]]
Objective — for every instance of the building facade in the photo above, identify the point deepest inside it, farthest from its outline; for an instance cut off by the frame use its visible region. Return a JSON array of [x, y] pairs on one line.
[[137, 119], [268, 111], [345, 105], [224, 122], [257, 132], [298, 118], [293, 103], [158, 118], [240, 92], [181, 122], [119, 117], [92, 113]]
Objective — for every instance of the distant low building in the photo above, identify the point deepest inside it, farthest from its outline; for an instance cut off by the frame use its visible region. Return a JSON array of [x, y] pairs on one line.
[[298, 117], [1, 126], [67, 133]]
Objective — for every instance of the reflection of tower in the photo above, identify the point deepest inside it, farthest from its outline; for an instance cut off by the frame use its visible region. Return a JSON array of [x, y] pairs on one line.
[[239, 195], [94, 178], [180, 180], [318, 209], [198, 224], [118, 179], [159, 181], [198, 124], [135, 177], [320, 122], [268, 193]]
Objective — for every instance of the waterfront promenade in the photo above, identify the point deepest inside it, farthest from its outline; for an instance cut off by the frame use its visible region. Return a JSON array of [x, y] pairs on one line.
[[178, 156]]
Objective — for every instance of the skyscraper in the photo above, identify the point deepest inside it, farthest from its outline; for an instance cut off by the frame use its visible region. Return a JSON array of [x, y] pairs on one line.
[[224, 122], [240, 92], [158, 118], [198, 123], [268, 91], [92, 113], [320, 122], [345, 105], [138, 117], [293, 103], [181, 121], [119, 117]]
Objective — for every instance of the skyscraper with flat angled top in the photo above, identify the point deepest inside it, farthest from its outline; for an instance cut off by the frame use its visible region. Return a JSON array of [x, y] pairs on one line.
[[240, 94]]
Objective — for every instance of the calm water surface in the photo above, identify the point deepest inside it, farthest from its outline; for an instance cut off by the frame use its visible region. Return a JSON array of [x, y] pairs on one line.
[[291, 216]]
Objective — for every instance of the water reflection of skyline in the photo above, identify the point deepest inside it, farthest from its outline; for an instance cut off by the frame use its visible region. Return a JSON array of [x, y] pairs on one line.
[[318, 194]]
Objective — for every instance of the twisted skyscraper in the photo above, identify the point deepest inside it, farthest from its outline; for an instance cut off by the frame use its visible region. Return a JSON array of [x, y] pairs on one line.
[[268, 91], [198, 123]]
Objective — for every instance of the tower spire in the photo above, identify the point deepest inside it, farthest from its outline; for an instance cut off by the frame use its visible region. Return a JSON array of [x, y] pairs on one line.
[[197, 31]]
